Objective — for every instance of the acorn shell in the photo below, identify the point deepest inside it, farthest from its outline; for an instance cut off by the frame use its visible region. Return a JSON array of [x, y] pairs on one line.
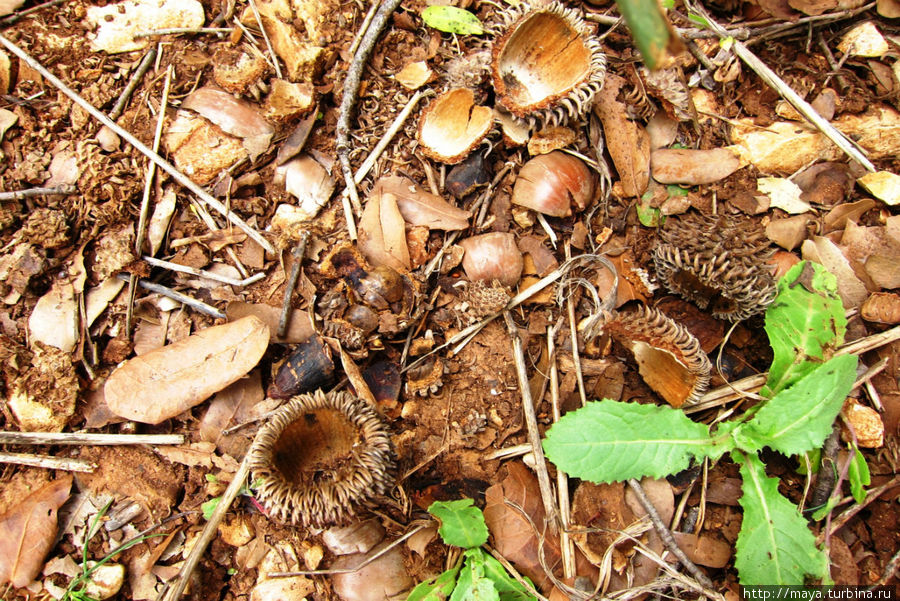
[[452, 126], [669, 357], [319, 457], [551, 183], [719, 263], [546, 66]]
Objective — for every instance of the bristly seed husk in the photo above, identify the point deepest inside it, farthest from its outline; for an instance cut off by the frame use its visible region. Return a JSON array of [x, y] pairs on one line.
[[546, 66], [319, 457], [719, 263]]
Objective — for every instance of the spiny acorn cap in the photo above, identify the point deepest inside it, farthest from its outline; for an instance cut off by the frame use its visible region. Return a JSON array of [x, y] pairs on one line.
[[669, 357], [319, 456], [719, 263], [546, 66]]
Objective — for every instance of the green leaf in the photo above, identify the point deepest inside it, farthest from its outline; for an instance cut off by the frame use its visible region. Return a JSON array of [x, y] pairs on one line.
[[649, 216], [775, 545], [472, 584], [699, 20], [805, 324], [608, 441], [208, 507], [436, 589], [821, 512], [858, 475], [799, 418], [508, 587], [676, 190], [462, 524], [451, 19], [648, 27]]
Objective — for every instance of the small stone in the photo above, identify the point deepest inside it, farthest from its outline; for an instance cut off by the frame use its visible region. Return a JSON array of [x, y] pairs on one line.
[[108, 139], [105, 581], [287, 100]]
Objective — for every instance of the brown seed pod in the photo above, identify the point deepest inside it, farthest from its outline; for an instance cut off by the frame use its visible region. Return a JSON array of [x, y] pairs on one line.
[[719, 263], [669, 357], [319, 457], [551, 183], [546, 66], [453, 125]]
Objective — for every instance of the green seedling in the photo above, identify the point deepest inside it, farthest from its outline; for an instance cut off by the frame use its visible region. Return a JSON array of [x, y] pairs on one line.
[[476, 576], [76, 591], [609, 441], [208, 507]]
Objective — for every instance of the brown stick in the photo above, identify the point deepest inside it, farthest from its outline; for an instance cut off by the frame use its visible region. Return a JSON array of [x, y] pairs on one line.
[[88, 438], [48, 462]]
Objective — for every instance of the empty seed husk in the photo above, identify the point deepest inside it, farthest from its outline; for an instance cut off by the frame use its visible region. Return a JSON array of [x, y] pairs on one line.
[[319, 457], [719, 263]]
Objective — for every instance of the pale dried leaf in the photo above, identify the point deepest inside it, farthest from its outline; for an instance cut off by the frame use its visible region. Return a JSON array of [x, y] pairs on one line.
[[7, 7], [420, 207], [151, 335], [382, 233], [7, 119], [98, 298], [419, 541], [692, 167], [379, 580], [28, 531], [628, 142], [233, 116], [864, 40], [788, 233], [116, 24], [308, 181], [159, 222], [883, 185], [299, 329], [414, 75], [54, 320], [783, 194], [822, 250], [165, 382], [231, 406], [193, 454]]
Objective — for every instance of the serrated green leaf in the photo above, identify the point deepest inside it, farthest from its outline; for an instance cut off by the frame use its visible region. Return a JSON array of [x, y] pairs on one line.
[[451, 19], [805, 324], [438, 588], [608, 441], [462, 524], [774, 546], [858, 475], [472, 584], [508, 587], [799, 418]]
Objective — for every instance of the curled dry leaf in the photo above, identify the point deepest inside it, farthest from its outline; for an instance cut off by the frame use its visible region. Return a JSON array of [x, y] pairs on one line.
[[414, 75], [159, 222], [692, 167], [825, 252], [382, 233], [165, 382], [420, 207], [7, 118], [233, 116], [788, 233], [308, 181], [28, 531], [452, 126], [629, 143]]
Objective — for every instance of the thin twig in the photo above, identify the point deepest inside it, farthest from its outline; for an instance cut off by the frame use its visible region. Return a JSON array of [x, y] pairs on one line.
[[181, 30], [204, 216], [15, 18], [140, 146], [48, 462], [666, 535], [266, 38], [348, 104], [562, 480], [872, 494], [173, 589], [31, 192], [92, 438], [787, 92], [534, 435], [184, 299], [136, 78], [203, 273], [291, 283], [363, 28]]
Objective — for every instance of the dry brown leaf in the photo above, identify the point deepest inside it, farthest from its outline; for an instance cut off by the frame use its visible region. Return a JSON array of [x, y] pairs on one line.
[[28, 531], [54, 320], [354, 375], [704, 550], [422, 208], [837, 218], [299, 329], [231, 406], [165, 382], [8, 7], [629, 143], [382, 233], [822, 250], [233, 116], [193, 454], [692, 167], [788, 233], [159, 222]]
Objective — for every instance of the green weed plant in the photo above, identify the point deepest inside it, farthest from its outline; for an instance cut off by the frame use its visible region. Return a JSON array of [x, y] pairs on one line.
[[609, 441]]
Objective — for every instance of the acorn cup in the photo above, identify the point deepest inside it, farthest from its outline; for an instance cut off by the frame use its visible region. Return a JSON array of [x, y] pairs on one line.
[[546, 66], [319, 457]]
